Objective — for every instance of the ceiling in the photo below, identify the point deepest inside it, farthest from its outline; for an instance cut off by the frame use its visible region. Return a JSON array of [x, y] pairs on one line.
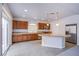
[[42, 10]]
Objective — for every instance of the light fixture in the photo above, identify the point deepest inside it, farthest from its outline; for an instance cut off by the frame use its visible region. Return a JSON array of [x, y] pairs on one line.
[[57, 24], [47, 24], [54, 16], [25, 10]]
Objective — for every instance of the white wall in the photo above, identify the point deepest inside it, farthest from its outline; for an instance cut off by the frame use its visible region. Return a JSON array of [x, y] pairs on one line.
[[32, 28], [9, 18], [60, 30], [0, 30]]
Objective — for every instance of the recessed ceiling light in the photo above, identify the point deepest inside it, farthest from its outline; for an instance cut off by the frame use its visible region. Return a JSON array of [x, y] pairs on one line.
[[47, 24], [25, 10], [57, 24]]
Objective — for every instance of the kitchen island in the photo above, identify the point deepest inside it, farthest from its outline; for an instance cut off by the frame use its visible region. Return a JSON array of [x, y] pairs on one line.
[[54, 41]]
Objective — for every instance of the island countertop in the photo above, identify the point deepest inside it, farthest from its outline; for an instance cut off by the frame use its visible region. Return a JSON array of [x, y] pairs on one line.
[[51, 35]]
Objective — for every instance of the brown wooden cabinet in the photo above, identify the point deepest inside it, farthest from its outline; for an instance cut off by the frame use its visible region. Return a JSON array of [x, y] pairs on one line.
[[20, 24], [14, 24], [43, 26], [25, 37], [17, 38]]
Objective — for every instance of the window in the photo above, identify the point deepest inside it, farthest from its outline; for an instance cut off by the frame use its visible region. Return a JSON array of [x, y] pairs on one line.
[[5, 26]]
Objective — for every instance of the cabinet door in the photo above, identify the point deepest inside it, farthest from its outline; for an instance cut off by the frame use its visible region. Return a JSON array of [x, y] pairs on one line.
[[24, 38], [22, 25], [31, 37], [14, 38], [14, 24], [34, 37], [18, 24], [43, 26], [19, 38]]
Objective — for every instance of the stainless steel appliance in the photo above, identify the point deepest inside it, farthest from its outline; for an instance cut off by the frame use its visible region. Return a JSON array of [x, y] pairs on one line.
[[71, 32]]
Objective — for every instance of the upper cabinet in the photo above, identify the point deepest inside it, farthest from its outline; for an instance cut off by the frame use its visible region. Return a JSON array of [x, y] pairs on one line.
[[44, 26], [20, 24], [14, 24]]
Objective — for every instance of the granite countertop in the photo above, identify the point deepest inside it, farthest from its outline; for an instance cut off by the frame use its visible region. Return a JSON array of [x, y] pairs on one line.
[[20, 33], [51, 35]]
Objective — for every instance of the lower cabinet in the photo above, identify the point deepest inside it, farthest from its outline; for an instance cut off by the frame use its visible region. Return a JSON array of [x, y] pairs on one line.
[[25, 37]]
